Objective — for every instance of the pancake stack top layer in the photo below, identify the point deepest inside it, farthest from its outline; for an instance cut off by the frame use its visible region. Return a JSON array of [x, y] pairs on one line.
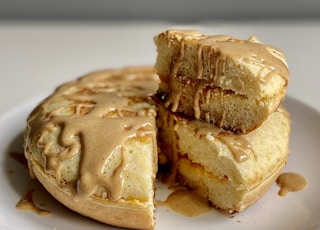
[[198, 72]]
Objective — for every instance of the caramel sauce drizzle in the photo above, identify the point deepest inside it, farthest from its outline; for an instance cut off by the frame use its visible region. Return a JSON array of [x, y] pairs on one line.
[[119, 109], [237, 144], [174, 98]]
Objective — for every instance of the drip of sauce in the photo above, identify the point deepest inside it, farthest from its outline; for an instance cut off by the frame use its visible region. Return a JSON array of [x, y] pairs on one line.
[[27, 204], [117, 107], [173, 98], [237, 144], [290, 182], [172, 149], [197, 96], [187, 203]]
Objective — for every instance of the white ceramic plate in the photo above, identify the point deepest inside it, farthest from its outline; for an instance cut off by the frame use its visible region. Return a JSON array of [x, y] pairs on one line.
[[299, 210]]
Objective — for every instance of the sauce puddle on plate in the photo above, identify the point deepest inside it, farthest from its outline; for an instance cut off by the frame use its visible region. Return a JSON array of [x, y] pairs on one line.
[[290, 182], [186, 202], [27, 204]]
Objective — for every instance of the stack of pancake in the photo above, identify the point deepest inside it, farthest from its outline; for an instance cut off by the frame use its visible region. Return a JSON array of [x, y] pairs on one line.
[[222, 129], [215, 116]]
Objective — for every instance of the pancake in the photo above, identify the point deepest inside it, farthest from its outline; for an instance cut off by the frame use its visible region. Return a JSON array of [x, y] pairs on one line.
[[92, 144], [233, 171], [235, 84]]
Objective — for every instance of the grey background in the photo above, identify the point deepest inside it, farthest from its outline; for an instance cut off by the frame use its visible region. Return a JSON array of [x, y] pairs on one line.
[[170, 10]]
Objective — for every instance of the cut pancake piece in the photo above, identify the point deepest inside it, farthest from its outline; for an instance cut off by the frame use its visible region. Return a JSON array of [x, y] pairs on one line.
[[92, 144], [232, 171], [191, 64]]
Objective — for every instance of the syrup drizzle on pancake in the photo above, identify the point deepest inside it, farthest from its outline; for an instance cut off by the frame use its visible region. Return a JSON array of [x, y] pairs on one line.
[[114, 109]]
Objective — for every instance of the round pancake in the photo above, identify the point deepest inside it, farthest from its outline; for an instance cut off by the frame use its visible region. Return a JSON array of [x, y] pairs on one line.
[[92, 144]]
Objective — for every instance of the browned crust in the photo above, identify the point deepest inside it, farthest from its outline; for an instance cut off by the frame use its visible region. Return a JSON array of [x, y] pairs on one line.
[[121, 214]]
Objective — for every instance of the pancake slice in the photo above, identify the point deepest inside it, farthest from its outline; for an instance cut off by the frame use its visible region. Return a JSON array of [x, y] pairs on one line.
[[235, 84], [92, 144]]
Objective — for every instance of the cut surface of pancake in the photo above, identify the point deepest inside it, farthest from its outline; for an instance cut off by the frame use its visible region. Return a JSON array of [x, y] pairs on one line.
[[92, 144], [194, 68], [232, 171]]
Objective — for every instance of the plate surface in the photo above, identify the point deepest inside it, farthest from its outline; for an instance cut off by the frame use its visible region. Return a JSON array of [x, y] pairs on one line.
[[299, 210]]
